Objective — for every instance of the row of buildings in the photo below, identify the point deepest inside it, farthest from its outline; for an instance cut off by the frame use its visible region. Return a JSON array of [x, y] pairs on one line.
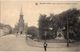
[[5, 29]]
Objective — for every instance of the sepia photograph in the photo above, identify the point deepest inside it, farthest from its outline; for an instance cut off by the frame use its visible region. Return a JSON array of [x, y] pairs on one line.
[[39, 26]]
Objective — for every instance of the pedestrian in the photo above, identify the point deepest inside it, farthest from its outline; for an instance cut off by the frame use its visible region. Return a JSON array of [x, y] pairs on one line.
[[45, 46]]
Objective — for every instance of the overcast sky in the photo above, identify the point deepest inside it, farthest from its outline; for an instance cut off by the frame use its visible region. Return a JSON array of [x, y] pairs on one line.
[[10, 10]]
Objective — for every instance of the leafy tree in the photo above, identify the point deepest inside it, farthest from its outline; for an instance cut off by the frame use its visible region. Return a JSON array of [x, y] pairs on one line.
[[45, 23], [42, 25], [7, 28], [33, 31], [60, 21], [72, 16]]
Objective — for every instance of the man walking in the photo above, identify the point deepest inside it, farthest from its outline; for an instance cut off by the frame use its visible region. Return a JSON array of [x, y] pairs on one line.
[[45, 46]]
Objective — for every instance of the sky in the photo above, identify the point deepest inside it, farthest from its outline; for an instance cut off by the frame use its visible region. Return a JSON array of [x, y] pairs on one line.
[[10, 10]]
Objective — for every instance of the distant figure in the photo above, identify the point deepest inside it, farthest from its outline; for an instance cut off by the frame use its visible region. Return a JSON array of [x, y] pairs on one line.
[[45, 46], [17, 34], [21, 32]]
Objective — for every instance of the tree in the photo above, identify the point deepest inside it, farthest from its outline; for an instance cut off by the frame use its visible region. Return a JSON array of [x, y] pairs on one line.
[[73, 23], [42, 25], [45, 23], [59, 21], [33, 31], [52, 26], [7, 29]]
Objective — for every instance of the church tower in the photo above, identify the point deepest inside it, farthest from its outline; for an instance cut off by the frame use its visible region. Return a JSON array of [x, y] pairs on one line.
[[21, 23]]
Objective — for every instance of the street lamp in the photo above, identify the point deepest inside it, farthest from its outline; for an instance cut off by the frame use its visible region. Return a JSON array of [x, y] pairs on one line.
[[45, 35], [50, 28], [67, 34]]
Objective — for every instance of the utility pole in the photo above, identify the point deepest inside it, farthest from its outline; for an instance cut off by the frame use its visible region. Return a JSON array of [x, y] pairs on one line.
[[67, 33]]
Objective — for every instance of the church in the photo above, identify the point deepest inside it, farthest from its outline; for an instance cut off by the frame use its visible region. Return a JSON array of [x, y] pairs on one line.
[[21, 27], [21, 23]]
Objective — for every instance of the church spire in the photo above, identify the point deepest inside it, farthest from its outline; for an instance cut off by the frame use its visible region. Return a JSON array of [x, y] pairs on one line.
[[21, 23], [21, 12]]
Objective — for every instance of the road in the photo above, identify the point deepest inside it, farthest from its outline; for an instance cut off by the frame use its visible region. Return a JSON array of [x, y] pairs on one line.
[[19, 43]]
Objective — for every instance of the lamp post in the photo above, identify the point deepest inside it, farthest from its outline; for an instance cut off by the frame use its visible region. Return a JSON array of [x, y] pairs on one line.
[[67, 34], [50, 28], [45, 35], [45, 44]]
